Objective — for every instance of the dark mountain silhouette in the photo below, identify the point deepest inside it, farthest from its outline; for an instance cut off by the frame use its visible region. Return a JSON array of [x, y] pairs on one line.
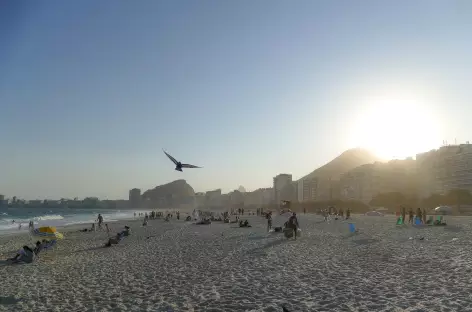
[[345, 162], [178, 189]]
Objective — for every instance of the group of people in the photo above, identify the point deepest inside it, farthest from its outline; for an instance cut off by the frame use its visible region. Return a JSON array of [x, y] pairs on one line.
[[291, 225], [119, 237], [157, 215], [336, 213], [27, 254], [420, 214]]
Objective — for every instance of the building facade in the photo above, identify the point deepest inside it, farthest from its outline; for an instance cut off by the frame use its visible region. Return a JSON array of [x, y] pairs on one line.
[[135, 198], [365, 182], [279, 182], [445, 169], [309, 189]]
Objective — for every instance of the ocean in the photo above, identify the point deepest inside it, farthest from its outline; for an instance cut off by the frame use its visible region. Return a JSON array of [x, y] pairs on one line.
[[11, 218]]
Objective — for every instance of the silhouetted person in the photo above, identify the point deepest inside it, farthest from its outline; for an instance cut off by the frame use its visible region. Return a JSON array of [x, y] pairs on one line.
[[293, 224], [419, 214], [269, 221], [410, 216], [100, 221]]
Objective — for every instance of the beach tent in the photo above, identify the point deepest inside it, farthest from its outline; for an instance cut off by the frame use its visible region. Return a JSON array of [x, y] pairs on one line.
[[374, 214], [47, 232], [443, 210]]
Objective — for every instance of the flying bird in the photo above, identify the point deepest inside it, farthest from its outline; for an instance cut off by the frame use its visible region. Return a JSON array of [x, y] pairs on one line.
[[178, 164]]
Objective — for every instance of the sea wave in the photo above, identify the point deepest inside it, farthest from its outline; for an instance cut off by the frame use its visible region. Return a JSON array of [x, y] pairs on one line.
[[57, 219]]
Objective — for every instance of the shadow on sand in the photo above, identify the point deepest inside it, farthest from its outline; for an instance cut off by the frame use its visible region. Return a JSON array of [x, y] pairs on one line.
[[364, 241], [8, 300], [453, 228], [88, 249], [268, 245]]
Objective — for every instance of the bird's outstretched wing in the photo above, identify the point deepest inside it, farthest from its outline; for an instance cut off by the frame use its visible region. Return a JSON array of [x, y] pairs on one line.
[[171, 158], [189, 166]]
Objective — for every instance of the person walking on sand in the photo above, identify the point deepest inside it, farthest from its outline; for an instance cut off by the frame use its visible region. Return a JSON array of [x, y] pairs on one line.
[[419, 214], [100, 221], [293, 224], [410, 216], [269, 221]]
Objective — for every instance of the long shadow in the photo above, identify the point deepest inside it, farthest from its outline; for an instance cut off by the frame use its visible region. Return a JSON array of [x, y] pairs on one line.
[[8, 263], [269, 245], [8, 300], [88, 249], [364, 241], [256, 237], [453, 228]]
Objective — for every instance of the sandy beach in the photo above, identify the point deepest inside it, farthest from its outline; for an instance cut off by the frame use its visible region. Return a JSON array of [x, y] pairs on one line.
[[221, 267]]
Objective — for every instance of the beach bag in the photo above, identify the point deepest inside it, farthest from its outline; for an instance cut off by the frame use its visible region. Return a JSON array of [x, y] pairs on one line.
[[288, 232]]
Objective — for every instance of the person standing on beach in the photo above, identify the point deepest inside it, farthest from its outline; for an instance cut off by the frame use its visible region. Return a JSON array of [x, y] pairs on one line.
[[348, 213], [419, 214], [410, 216], [293, 223], [424, 216], [269, 221], [403, 214], [100, 221]]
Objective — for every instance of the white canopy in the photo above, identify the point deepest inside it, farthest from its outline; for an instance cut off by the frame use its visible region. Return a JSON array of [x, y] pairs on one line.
[[374, 214]]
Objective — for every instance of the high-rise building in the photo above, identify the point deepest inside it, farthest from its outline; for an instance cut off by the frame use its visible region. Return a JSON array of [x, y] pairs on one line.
[[366, 181], [135, 198], [280, 181], [445, 169], [309, 189]]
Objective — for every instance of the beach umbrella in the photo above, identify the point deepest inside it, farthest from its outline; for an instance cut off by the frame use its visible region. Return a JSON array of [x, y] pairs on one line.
[[443, 210], [374, 214], [47, 231]]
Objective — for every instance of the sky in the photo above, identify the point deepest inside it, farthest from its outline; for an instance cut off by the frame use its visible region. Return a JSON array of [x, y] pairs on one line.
[[92, 91]]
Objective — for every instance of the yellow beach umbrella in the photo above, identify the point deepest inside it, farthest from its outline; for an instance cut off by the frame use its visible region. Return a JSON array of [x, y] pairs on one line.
[[47, 231]]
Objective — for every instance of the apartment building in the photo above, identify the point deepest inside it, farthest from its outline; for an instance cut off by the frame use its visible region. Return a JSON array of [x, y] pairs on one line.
[[366, 181], [135, 198], [308, 189], [445, 169], [280, 181]]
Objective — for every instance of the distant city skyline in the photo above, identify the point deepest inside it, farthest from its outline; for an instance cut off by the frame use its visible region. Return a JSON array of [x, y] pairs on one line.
[[90, 92]]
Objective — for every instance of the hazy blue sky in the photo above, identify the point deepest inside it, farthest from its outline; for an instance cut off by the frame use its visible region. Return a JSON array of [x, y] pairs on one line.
[[90, 91]]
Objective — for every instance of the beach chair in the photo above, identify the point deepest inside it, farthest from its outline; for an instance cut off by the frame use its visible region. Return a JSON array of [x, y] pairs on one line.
[[49, 246]]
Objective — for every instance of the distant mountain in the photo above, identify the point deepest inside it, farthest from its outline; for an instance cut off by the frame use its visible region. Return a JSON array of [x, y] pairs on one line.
[[345, 162], [175, 189]]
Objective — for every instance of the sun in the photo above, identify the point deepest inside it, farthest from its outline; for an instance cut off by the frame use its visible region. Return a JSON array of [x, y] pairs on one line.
[[395, 128]]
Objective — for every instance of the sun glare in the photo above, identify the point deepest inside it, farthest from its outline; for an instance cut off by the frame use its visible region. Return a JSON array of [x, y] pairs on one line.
[[395, 128]]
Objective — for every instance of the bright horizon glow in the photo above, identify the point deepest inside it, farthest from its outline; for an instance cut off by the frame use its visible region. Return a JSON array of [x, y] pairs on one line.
[[396, 127], [91, 91]]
